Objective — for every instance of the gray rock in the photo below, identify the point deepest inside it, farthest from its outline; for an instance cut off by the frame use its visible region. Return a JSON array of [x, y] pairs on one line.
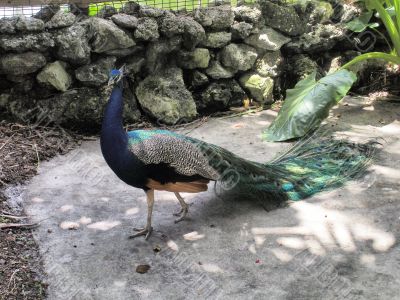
[[55, 75], [95, 74], [147, 29], [241, 30], [23, 87], [134, 65], [222, 94], [72, 45], [282, 17], [130, 8], [217, 39], [199, 58], [193, 33], [247, 14], [350, 11], [150, 12], [171, 25], [4, 102], [164, 97], [198, 79], [131, 112], [217, 71], [259, 87], [343, 13], [107, 11], [61, 19], [157, 54], [21, 64], [239, 57], [270, 65], [362, 69], [17, 78], [217, 18], [7, 25], [79, 106], [267, 39], [323, 38], [47, 12], [321, 12], [107, 36], [27, 24], [125, 21], [300, 66], [124, 52], [26, 42]]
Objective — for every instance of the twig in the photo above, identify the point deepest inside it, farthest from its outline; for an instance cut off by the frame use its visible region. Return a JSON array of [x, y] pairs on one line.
[[17, 225], [11, 278], [14, 217], [6, 142], [38, 159]]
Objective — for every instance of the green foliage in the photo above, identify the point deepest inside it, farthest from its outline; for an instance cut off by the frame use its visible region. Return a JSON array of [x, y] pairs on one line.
[[308, 103], [361, 23], [389, 12]]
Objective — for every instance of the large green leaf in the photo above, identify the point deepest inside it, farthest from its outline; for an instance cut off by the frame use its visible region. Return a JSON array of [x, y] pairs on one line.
[[307, 104], [360, 23]]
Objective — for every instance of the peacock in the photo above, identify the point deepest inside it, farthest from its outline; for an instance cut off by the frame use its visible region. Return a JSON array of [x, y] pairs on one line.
[[163, 160]]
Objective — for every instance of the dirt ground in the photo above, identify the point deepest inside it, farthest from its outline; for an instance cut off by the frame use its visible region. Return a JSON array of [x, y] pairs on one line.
[[22, 149]]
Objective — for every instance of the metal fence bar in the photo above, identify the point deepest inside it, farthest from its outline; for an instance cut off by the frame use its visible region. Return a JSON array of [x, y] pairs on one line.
[[10, 8]]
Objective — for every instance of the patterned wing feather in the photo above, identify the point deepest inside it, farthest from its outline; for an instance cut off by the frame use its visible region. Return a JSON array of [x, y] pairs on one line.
[[162, 147]]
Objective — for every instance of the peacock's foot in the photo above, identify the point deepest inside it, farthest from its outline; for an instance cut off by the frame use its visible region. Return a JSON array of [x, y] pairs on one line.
[[142, 231], [178, 213], [182, 213]]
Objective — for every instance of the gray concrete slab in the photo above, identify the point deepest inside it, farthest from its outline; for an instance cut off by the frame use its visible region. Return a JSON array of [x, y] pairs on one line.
[[339, 244]]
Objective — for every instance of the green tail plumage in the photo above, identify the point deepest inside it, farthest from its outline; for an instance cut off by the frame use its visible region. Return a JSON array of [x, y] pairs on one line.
[[315, 164]]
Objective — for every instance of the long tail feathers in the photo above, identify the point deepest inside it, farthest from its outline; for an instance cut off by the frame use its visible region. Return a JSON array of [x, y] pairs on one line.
[[314, 164]]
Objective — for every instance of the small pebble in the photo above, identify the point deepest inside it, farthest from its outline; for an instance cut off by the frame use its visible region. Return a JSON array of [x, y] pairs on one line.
[[142, 269], [49, 231], [156, 248]]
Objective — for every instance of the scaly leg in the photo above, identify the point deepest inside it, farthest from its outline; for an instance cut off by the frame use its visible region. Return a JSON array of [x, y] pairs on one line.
[[148, 229], [184, 210]]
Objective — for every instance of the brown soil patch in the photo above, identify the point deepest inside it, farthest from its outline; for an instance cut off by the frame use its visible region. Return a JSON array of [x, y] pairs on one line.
[[22, 148]]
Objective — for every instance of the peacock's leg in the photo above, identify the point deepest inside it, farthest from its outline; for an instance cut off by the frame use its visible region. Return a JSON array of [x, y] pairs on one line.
[[148, 229], [184, 210]]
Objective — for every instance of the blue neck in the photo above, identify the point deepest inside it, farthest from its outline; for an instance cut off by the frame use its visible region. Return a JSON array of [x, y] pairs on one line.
[[113, 139]]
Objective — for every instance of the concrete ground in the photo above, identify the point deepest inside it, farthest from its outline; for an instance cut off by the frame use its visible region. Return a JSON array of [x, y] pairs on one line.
[[341, 244]]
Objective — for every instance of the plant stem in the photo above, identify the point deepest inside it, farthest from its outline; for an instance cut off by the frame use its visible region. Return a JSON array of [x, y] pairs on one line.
[[389, 24], [373, 55]]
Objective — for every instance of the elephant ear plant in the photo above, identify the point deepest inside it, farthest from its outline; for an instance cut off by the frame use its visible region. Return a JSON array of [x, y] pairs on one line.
[[309, 102]]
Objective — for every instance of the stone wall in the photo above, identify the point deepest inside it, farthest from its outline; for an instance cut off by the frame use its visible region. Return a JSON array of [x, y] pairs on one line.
[[180, 64]]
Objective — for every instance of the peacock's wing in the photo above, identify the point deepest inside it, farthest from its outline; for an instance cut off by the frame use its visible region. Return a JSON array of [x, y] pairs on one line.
[[170, 156], [186, 156]]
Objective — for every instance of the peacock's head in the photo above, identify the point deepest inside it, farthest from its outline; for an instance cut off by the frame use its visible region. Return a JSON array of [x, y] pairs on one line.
[[115, 76]]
